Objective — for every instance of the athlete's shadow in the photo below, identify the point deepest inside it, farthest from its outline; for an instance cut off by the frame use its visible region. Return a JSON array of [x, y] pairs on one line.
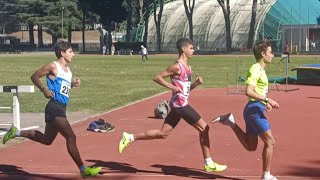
[[153, 117], [7, 169], [12, 172], [189, 172], [117, 167], [312, 170], [314, 97]]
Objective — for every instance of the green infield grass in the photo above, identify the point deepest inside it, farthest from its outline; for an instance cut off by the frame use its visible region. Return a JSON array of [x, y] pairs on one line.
[[108, 82]]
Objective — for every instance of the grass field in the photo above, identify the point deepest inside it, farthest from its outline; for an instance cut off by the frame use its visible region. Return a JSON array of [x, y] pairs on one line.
[[108, 82]]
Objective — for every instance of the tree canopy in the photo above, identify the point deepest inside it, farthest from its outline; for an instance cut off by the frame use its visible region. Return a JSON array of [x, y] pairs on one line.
[[8, 17]]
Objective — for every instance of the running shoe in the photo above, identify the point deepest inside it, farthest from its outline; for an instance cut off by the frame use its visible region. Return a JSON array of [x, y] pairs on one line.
[[90, 171], [100, 122], [215, 167], [10, 134], [124, 142], [110, 128], [93, 127], [100, 128], [104, 128], [226, 119], [269, 178]]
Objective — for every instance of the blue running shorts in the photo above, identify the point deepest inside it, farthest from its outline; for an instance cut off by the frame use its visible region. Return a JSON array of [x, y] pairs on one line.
[[256, 121]]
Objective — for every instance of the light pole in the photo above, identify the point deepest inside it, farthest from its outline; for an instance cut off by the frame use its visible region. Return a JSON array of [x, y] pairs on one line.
[[62, 22]]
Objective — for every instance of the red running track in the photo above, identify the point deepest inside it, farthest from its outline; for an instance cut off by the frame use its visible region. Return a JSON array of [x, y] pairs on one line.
[[295, 127]]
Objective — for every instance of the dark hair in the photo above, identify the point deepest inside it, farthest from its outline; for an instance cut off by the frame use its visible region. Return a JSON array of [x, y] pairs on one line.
[[259, 48], [183, 42], [61, 46]]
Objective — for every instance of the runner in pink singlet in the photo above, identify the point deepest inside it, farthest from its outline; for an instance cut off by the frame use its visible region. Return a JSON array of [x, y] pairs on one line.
[[180, 74], [183, 82]]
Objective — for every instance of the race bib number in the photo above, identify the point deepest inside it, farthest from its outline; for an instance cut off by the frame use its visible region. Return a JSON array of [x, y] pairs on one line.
[[65, 88], [186, 89]]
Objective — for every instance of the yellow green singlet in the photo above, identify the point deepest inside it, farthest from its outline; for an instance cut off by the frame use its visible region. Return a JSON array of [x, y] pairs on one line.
[[257, 77]]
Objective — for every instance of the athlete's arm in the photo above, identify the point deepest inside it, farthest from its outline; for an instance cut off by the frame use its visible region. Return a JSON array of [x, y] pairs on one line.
[[268, 107], [172, 70], [76, 83], [197, 82], [48, 69], [250, 92]]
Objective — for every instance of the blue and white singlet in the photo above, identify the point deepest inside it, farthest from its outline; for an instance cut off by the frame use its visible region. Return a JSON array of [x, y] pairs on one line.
[[61, 85]]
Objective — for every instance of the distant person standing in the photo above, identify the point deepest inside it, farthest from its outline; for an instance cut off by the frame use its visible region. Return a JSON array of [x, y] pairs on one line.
[[286, 51], [198, 49], [104, 49], [144, 53], [113, 49], [313, 45]]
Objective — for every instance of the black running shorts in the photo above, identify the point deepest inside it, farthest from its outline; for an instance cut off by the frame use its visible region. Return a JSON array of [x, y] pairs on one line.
[[187, 113], [54, 109]]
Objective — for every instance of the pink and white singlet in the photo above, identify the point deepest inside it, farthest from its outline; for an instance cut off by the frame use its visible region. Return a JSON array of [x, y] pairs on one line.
[[184, 82]]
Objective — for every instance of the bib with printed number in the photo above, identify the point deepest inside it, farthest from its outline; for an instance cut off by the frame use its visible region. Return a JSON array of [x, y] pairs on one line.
[[186, 88], [184, 83], [61, 85], [65, 88]]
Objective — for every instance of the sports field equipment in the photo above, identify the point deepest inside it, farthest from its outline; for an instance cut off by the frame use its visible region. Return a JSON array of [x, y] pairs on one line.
[[162, 110], [15, 90]]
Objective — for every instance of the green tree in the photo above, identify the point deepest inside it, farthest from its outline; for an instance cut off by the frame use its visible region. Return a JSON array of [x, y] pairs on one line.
[[129, 6], [189, 12], [226, 13], [87, 18], [8, 19], [110, 12], [157, 21], [145, 9], [63, 16], [27, 12], [56, 17], [252, 24], [133, 17]]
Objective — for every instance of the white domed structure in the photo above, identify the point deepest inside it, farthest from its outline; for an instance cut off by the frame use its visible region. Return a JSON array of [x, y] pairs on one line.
[[209, 24]]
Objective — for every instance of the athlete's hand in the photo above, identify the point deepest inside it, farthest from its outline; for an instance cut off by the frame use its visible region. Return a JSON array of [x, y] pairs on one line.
[[268, 107], [76, 83], [273, 103], [199, 80], [176, 89], [47, 93]]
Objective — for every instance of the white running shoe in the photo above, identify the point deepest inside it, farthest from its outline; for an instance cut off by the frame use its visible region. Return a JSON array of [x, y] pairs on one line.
[[226, 119], [269, 178]]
